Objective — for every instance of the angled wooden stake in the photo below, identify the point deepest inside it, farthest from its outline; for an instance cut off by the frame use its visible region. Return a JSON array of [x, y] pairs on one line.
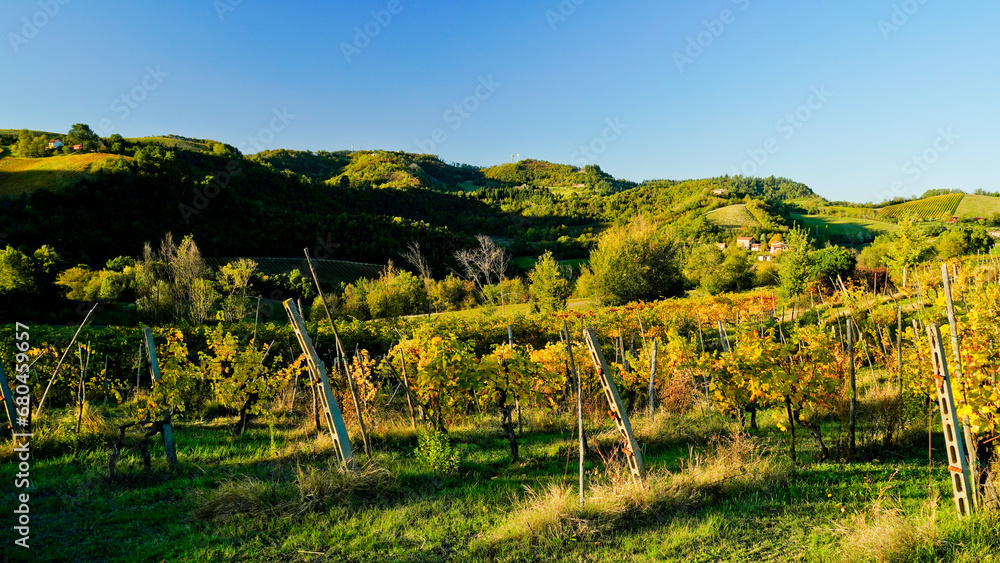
[[154, 368], [343, 358], [618, 413], [8, 400], [957, 466], [331, 411], [41, 403], [956, 348]]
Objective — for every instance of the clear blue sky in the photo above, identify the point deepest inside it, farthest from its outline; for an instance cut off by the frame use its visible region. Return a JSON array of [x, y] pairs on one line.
[[650, 89]]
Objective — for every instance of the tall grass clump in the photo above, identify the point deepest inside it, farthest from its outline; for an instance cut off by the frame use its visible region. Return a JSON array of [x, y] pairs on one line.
[[668, 429], [247, 497], [319, 488], [886, 534], [314, 489]]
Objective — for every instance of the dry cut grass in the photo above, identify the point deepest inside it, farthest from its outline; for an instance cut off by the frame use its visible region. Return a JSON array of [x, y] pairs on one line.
[[886, 534], [732, 464]]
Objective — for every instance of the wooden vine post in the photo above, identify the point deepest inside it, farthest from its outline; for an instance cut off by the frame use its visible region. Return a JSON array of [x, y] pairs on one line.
[[406, 385], [957, 466], [154, 369], [331, 411], [618, 412], [956, 352], [652, 381], [517, 400], [579, 406], [343, 358], [899, 347], [854, 386]]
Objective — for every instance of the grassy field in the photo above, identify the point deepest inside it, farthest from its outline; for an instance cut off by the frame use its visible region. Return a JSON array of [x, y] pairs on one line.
[[843, 211], [564, 191], [808, 201], [851, 227], [977, 206], [172, 143], [274, 494], [732, 217], [937, 207], [14, 132], [25, 175]]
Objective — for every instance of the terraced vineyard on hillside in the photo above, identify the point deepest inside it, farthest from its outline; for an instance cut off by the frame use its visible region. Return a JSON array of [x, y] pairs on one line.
[[937, 207], [733, 217]]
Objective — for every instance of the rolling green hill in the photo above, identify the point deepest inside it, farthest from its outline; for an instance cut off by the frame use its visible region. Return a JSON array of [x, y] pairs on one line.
[[842, 230], [977, 206], [366, 206], [175, 142], [25, 175]]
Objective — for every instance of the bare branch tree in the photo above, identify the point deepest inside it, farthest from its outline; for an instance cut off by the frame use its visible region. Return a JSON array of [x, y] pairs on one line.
[[484, 263], [416, 259]]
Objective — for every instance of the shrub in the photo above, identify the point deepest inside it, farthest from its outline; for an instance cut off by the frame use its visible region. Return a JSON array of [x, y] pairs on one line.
[[435, 452]]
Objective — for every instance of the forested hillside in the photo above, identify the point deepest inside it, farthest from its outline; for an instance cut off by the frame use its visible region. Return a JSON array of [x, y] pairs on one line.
[[79, 213], [363, 206]]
